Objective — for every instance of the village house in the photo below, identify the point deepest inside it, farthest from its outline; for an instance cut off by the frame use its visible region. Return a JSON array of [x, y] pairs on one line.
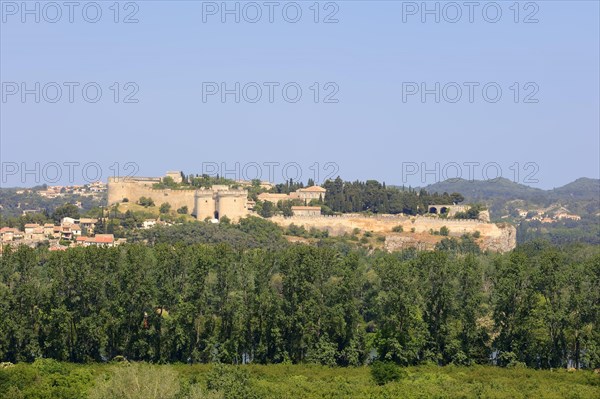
[[309, 193], [97, 187], [48, 229], [68, 220], [88, 224], [34, 232], [57, 248], [99, 240], [69, 231], [29, 228], [29, 211], [305, 194], [148, 223], [7, 234], [273, 197], [561, 216]]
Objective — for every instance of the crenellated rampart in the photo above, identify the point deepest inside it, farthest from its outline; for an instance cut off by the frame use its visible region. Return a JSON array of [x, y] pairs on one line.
[[134, 189]]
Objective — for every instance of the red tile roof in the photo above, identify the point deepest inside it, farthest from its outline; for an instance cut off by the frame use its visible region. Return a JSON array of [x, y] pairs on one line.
[[58, 248], [104, 238]]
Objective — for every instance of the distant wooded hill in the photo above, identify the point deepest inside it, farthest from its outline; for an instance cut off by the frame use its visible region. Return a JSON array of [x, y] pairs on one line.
[[506, 200], [497, 193]]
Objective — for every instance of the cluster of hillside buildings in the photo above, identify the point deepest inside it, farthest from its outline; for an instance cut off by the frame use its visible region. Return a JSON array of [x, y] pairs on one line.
[[548, 215], [86, 190], [77, 232], [306, 194]]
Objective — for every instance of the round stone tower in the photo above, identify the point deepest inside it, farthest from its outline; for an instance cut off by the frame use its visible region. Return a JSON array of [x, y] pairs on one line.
[[204, 204]]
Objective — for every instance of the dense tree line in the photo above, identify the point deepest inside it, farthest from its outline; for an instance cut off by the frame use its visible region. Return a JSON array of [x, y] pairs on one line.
[[376, 197], [250, 232], [537, 305]]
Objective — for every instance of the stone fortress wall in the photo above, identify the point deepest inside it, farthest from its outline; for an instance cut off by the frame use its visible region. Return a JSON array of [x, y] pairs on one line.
[[135, 188], [495, 237], [203, 203]]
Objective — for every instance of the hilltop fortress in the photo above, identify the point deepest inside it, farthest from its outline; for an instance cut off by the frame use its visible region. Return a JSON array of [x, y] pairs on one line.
[[232, 201], [214, 202]]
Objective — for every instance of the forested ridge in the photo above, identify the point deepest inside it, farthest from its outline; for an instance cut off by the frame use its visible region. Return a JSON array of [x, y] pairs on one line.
[[538, 305]]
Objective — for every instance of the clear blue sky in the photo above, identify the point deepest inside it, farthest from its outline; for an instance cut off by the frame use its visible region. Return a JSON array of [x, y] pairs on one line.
[[369, 54]]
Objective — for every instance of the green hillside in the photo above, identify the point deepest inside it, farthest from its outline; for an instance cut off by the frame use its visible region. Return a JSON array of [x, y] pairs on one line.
[[507, 201]]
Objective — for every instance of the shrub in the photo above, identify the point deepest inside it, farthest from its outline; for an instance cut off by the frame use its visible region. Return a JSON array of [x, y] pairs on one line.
[[137, 381], [384, 372], [444, 231], [146, 202], [316, 233], [165, 207], [477, 234], [183, 210], [232, 381], [125, 199], [266, 209], [298, 231], [471, 213], [398, 229]]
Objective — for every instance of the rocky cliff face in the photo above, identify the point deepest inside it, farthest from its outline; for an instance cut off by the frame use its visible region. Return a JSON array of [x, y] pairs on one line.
[[503, 242], [397, 242], [417, 230]]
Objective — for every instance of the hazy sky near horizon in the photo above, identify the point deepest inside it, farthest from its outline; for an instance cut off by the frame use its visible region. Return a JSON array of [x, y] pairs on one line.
[[361, 114]]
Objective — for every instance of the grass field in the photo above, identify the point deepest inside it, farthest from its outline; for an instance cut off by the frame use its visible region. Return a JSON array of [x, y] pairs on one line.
[[50, 379]]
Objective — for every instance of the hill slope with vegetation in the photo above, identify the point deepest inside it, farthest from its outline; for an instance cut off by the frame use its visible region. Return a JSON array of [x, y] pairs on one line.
[[507, 200]]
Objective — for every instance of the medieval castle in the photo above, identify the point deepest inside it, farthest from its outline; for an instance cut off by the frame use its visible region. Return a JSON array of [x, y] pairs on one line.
[[232, 201], [214, 202]]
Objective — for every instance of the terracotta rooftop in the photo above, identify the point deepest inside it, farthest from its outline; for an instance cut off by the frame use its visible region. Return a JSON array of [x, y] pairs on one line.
[[104, 238], [58, 248]]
